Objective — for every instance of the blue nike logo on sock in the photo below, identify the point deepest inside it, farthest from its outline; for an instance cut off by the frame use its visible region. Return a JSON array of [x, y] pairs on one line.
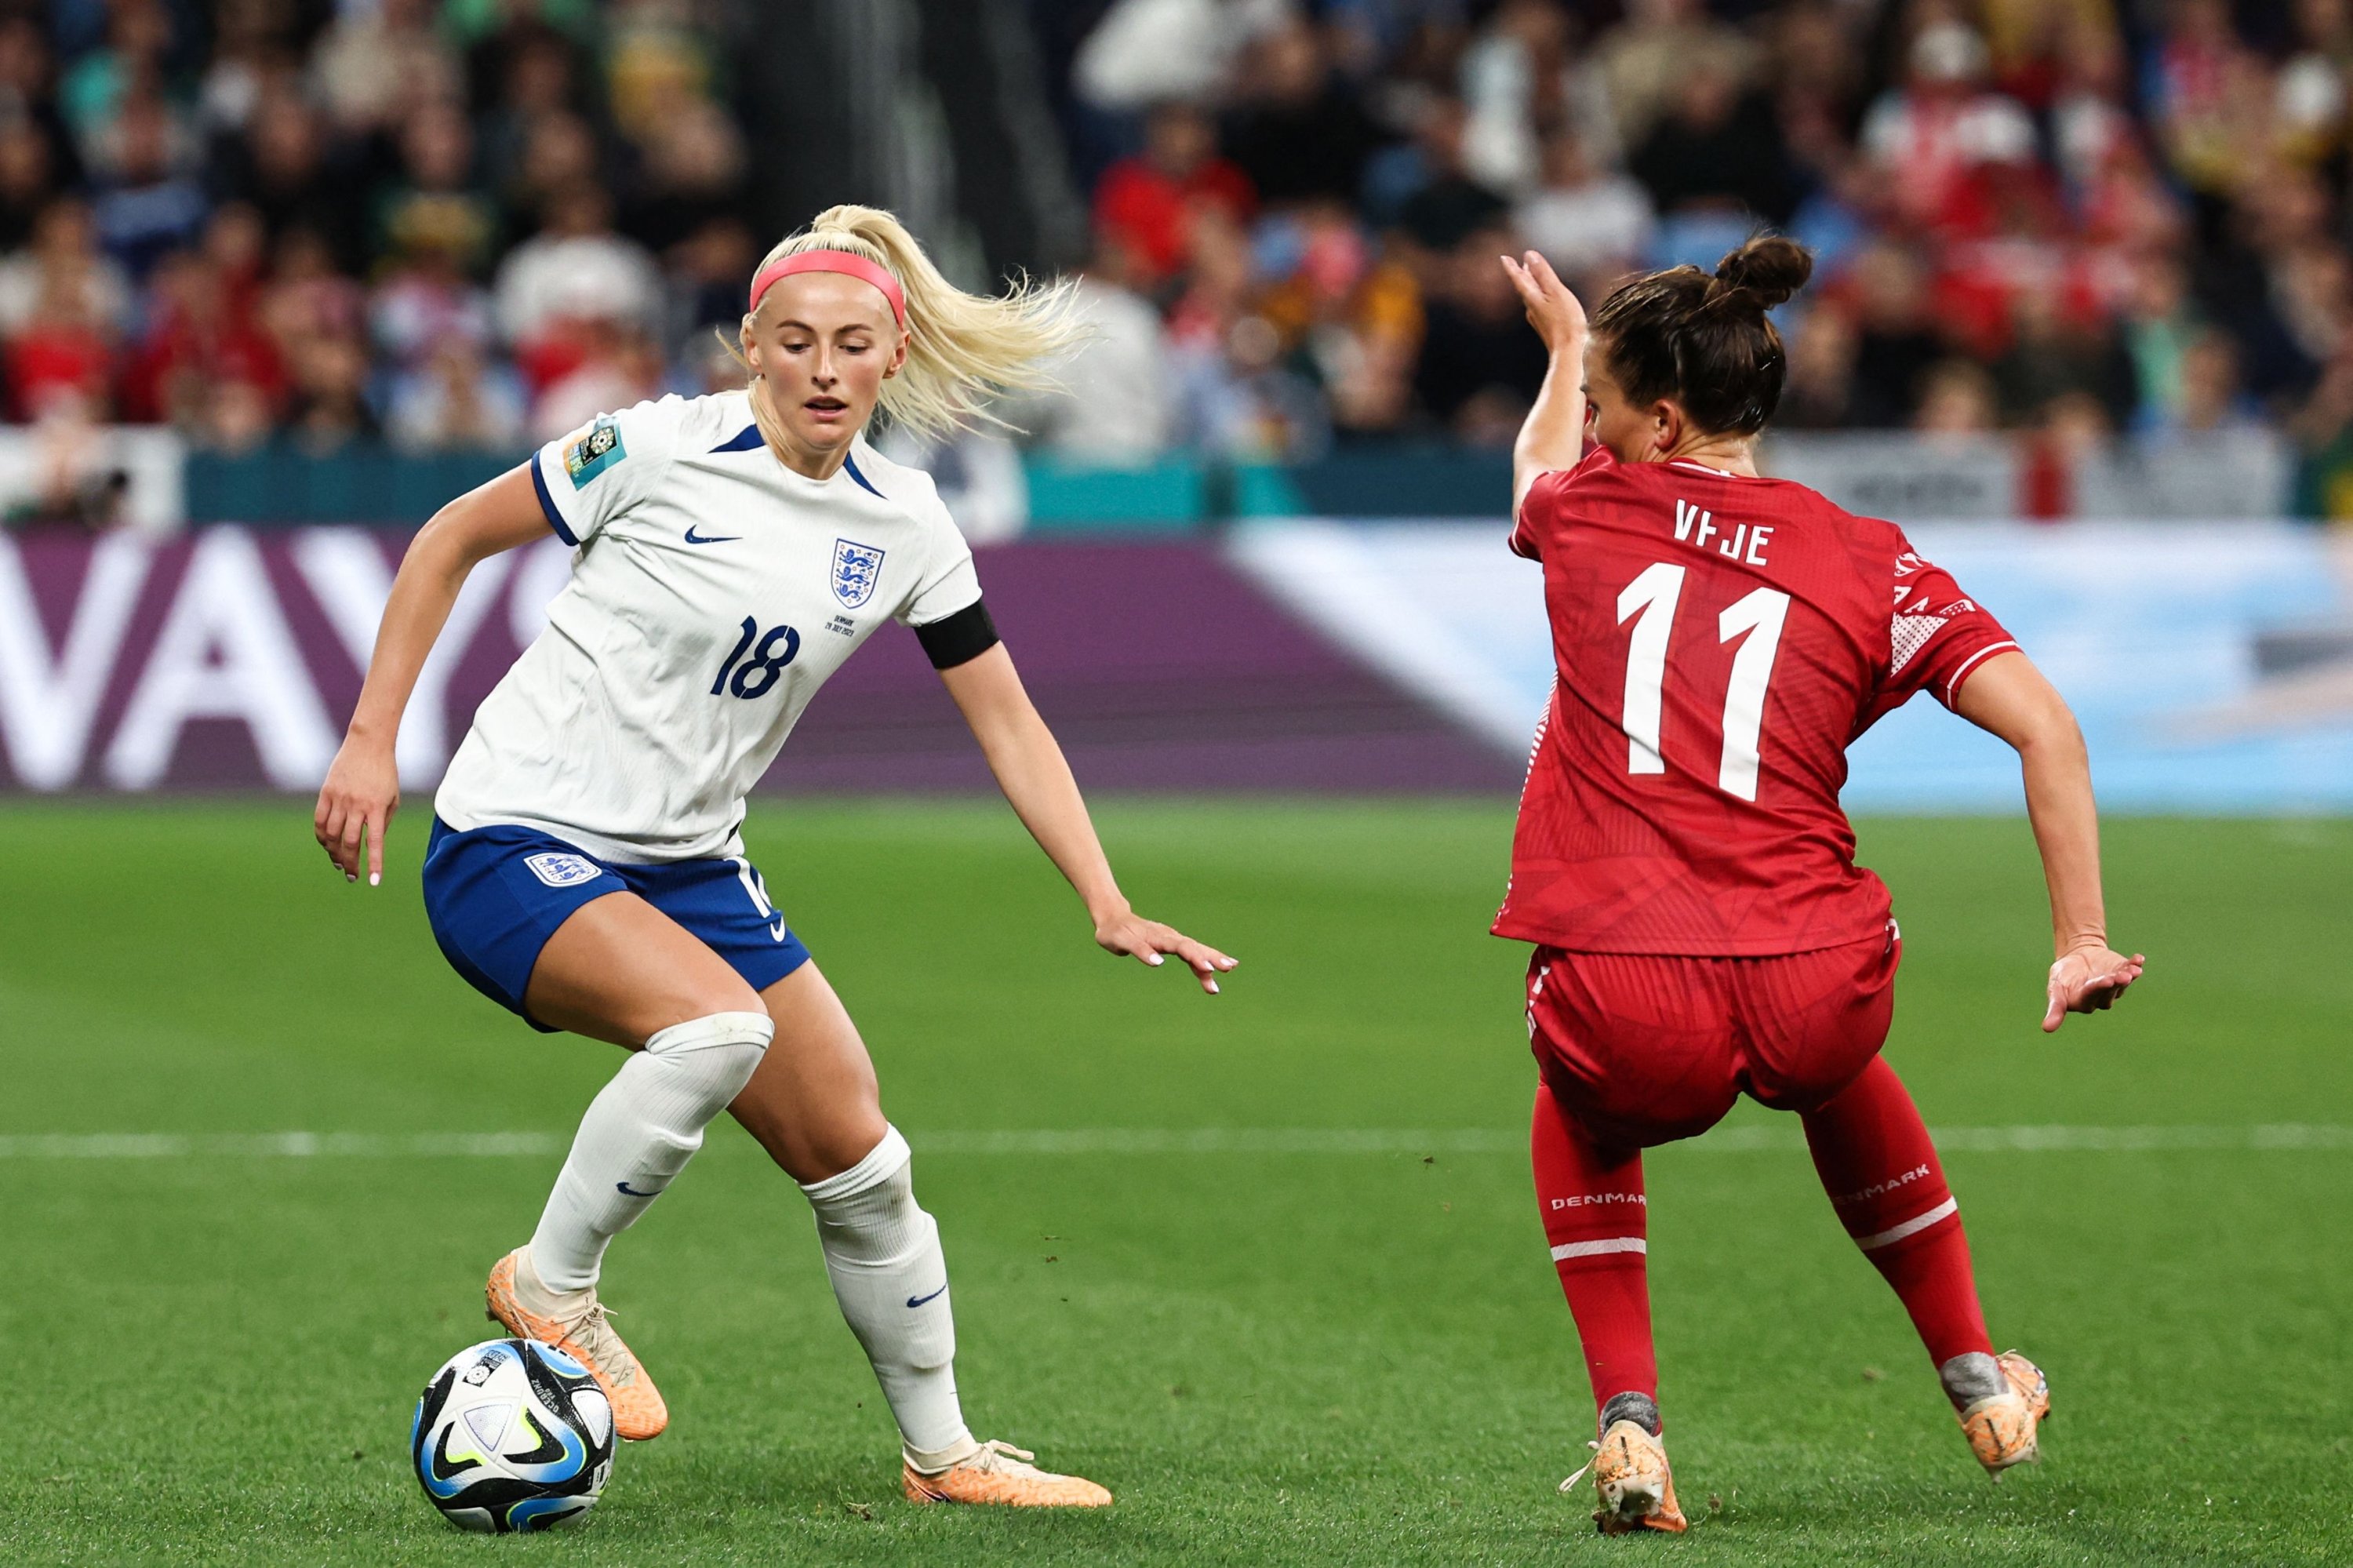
[[720, 539], [633, 1193], [919, 1301]]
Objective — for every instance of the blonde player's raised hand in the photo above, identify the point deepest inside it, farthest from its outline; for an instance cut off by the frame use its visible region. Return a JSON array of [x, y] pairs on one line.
[[2088, 979], [355, 807], [1557, 314]]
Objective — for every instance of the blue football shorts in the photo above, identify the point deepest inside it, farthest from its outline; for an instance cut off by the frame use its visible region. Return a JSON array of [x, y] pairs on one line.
[[496, 895]]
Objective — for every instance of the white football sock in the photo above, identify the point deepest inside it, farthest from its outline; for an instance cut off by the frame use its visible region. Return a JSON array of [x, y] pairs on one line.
[[639, 1134], [883, 1254]]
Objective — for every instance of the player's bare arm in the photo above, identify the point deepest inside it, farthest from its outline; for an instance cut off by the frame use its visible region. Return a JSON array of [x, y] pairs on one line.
[[1036, 777], [1553, 434], [2007, 697], [363, 788]]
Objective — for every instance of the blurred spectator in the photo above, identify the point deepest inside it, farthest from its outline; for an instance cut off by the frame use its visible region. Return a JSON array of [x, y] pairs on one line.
[[62, 351], [374, 62], [575, 269], [1714, 148], [433, 207], [1519, 81], [27, 179], [1944, 137], [282, 166], [1445, 203], [1894, 344], [329, 408], [2158, 326], [1115, 405], [2212, 402], [2205, 91], [64, 263], [1957, 399], [2053, 353], [616, 366], [203, 327], [147, 203], [1821, 388], [691, 173], [1145, 203], [456, 401], [1644, 62], [75, 483], [1299, 132], [1587, 221], [1480, 365], [1144, 52]]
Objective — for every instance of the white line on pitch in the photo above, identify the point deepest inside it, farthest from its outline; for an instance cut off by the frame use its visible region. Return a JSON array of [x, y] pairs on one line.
[[1749, 1138]]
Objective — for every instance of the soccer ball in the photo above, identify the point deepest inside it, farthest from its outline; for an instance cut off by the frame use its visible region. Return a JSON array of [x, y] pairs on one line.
[[511, 1435]]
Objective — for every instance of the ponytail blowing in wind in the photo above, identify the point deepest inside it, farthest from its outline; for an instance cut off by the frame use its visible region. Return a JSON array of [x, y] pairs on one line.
[[1705, 341], [962, 349]]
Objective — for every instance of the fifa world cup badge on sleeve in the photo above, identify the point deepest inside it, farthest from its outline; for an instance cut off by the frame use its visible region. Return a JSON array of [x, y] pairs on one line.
[[594, 452], [856, 569]]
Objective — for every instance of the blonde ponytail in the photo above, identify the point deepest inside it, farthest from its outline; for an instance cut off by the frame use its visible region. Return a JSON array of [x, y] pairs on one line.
[[962, 349]]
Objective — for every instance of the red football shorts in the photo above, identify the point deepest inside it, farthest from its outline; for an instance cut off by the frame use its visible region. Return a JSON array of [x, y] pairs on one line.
[[1644, 1048]]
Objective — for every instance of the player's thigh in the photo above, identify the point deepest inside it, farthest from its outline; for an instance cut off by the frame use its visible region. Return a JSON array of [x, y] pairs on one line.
[[1814, 1021], [814, 1104], [1638, 1048], [620, 969]]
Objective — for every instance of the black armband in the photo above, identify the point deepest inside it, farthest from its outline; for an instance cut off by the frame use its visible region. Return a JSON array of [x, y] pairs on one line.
[[960, 637]]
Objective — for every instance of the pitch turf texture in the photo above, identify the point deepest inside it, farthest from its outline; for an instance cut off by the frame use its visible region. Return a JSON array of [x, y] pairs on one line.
[[1301, 1355]]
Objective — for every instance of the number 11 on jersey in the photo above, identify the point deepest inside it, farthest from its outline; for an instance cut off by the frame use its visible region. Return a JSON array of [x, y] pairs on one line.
[[1651, 601]]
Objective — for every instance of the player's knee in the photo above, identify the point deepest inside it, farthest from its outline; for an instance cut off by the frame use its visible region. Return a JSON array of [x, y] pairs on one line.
[[717, 1053]]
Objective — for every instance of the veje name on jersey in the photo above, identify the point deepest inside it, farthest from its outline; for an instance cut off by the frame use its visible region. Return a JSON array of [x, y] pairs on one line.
[[1745, 543]]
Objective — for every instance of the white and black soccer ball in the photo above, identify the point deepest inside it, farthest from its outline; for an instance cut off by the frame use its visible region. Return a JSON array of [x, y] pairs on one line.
[[513, 1434]]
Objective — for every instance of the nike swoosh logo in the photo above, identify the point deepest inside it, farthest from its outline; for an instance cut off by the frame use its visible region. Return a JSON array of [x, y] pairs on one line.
[[633, 1193], [692, 537], [919, 1301]]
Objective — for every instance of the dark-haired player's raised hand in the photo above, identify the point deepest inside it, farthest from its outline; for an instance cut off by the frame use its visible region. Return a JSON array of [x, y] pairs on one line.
[[2089, 979], [1553, 310]]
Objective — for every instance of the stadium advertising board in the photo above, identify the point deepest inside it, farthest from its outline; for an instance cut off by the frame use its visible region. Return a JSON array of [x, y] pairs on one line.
[[231, 658], [2212, 665]]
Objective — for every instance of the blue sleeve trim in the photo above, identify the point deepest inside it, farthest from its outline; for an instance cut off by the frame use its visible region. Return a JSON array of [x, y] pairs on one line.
[[547, 505], [852, 465]]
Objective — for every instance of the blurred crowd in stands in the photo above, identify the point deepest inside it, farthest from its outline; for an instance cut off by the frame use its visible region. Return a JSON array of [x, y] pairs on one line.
[[473, 223], [2072, 218]]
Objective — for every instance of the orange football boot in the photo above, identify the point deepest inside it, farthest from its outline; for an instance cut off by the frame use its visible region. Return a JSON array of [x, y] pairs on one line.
[[638, 1412], [1631, 1479], [2004, 1429], [1001, 1474]]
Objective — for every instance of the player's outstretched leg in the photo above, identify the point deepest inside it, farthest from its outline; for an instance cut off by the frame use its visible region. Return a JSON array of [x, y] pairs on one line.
[[639, 1132], [1595, 1219], [1880, 1171], [815, 1108]]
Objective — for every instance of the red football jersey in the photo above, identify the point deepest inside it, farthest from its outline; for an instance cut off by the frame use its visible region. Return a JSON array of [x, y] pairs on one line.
[[1718, 642]]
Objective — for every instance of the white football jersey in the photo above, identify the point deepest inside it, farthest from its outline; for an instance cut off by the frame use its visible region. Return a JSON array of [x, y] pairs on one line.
[[713, 591]]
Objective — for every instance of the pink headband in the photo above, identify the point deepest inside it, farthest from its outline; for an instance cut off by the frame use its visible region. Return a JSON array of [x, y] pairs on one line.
[[847, 263]]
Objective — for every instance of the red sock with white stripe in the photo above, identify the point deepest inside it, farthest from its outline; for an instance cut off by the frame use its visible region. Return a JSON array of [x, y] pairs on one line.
[[1883, 1178], [1597, 1219]]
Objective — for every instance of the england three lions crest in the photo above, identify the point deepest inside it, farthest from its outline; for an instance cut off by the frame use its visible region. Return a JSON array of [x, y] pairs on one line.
[[856, 569]]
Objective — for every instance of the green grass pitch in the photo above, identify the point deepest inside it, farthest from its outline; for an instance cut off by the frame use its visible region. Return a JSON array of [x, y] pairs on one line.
[[1277, 1357]]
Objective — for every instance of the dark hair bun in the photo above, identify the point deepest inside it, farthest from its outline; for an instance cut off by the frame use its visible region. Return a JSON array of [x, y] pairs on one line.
[[1768, 267]]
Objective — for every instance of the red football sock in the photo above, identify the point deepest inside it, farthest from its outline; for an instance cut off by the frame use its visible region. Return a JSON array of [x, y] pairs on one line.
[[1596, 1218], [1883, 1178]]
